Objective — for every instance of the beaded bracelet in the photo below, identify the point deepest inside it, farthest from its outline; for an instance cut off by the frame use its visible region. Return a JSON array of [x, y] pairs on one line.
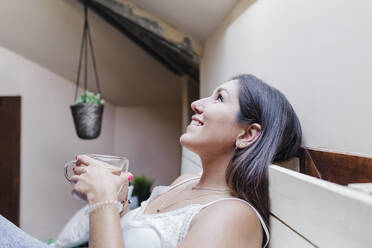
[[103, 203]]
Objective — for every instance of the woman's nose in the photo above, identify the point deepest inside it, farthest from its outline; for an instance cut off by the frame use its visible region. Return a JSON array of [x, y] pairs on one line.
[[197, 107]]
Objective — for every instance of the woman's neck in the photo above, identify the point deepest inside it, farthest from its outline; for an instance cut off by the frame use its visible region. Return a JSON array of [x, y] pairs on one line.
[[214, 171]]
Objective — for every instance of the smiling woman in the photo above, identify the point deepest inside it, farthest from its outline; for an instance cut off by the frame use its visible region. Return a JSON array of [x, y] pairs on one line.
[[255, 118], [239, 130]]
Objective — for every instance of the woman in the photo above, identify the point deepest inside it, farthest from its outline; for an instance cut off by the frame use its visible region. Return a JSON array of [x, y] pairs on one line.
[[239, 130]]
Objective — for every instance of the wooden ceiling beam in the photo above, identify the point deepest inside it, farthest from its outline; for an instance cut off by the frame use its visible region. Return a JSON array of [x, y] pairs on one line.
[[178, 51]]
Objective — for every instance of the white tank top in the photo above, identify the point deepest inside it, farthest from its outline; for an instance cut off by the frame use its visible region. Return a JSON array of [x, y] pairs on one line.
[[168, 229]]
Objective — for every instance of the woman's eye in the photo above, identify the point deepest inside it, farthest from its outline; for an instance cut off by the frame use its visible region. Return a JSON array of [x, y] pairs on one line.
[[219, 98]]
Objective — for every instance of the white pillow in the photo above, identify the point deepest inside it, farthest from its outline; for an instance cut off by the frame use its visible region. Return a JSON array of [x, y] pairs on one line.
[[76, 231]]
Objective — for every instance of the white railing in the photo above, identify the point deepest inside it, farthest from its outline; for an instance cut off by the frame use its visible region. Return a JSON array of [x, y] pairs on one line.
[[309, 212]]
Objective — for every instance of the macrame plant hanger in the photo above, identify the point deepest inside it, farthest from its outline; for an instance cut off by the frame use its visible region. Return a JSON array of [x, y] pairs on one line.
[[84, 52], [87, 116]]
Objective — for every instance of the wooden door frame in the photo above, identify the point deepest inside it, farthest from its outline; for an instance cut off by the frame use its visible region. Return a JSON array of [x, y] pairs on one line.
[[10, 151]]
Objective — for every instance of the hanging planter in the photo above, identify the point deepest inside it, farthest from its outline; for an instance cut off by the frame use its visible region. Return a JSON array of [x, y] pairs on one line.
[[87, 114], [87, 111]]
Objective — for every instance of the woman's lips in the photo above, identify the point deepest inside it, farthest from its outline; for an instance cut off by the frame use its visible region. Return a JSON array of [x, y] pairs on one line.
[[196, 123]]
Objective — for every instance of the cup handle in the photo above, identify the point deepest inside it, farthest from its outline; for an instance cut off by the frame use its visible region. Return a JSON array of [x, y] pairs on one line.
[[67, 167]]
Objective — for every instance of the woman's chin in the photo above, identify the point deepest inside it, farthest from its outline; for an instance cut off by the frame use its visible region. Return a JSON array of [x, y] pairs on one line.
[[187, 141], [191, 142], [183, 139]]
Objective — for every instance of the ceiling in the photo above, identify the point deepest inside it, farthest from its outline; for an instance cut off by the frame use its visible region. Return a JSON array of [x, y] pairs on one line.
[[198, 18], [49, 34]]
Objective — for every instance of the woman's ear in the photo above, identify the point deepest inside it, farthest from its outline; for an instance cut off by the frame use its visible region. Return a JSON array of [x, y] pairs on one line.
[[248, 136]]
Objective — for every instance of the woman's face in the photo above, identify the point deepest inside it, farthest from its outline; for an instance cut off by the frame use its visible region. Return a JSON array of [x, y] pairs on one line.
[[214, 126]]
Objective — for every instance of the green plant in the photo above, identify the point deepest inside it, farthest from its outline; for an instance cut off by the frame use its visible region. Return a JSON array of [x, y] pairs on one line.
[[142, 187], [89, 97]]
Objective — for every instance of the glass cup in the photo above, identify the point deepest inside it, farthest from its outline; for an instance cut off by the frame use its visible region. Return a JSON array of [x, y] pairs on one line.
[[115, 164]]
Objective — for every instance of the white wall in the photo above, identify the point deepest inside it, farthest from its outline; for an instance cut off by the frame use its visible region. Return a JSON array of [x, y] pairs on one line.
[[149, 138], [318, 53], [190, 161], [49, 34], [48, 140]]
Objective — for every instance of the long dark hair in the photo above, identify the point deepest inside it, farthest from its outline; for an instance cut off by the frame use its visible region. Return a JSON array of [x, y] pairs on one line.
[[279, 140]]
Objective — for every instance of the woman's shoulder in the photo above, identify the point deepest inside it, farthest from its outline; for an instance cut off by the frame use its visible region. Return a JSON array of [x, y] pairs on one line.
[[234, 209], [232, 220], [233, 212]]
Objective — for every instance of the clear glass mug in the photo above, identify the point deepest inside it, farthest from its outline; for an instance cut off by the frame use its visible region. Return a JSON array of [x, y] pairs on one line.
[[115, 164]]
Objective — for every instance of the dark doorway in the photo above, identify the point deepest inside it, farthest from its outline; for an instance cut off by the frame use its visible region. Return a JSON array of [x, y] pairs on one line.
[[10, 146]]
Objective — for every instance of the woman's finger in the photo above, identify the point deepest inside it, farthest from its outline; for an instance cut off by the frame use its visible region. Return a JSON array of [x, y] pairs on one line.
[[126, 177], [124, 181], [84, 160], [79, 188], [130, 176], [78, 170], [75, 178]]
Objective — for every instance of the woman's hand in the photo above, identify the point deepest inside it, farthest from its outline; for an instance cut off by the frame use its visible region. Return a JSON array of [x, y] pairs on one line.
[[93, 179]]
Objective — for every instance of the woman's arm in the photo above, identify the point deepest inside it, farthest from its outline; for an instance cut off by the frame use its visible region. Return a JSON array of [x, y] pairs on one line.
[[100, 185], [223, 225], [105, 230]]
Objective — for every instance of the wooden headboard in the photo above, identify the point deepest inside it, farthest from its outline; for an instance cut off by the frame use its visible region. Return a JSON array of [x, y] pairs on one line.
[[334, 167]]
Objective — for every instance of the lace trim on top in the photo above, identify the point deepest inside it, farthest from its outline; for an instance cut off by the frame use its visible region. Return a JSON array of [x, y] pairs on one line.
[[172, 226]]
